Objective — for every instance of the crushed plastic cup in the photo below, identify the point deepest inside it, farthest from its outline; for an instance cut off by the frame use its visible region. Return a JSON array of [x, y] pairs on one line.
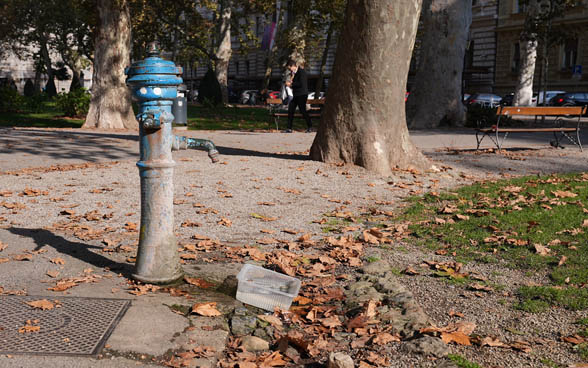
[[266, 289]]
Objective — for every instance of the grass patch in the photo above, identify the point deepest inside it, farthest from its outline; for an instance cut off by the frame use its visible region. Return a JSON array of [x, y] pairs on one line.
[[508, 221], [462, 362], [47, 116], [236, 118]]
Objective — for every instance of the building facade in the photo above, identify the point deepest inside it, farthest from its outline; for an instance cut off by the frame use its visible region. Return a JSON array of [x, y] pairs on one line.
[[564, 58]]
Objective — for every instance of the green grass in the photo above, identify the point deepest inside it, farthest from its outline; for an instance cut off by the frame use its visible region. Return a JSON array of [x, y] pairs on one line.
[[236, 118], [462, 362], [47, 117], [199, 118], [505, 220]]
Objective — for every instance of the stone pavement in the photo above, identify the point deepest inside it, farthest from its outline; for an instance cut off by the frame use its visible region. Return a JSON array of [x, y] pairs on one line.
[[153, 326]]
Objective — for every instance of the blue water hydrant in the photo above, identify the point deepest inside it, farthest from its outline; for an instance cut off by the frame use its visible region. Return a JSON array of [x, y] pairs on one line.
[[154, 83]]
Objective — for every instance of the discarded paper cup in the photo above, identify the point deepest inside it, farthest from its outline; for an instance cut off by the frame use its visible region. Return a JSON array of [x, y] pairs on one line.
[[266, 289]]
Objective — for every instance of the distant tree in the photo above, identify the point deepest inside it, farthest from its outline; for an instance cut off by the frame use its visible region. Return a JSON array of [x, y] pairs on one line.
[[437, 84], [364, 120], [198, 30], [110, 106], [538, 27]]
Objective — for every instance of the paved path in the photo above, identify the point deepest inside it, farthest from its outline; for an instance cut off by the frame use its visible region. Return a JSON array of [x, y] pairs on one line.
[[255, 167]]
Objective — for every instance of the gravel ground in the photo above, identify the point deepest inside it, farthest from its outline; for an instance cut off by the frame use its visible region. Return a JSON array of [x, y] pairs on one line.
[[267, 175]]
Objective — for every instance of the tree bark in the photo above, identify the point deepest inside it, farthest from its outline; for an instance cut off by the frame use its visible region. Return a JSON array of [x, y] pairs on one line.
[[524, 90], [528, 45], [224, 51], [436, 96], [321, 78], [110, 107], [364, 122]]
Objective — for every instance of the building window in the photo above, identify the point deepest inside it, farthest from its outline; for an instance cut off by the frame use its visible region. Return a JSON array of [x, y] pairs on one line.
[[516, 58], [237, 67], [247, 67], [518, 6], [570, 54]]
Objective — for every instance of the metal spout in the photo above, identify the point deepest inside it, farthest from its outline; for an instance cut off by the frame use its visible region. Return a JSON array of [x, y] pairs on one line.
[[180, 142]]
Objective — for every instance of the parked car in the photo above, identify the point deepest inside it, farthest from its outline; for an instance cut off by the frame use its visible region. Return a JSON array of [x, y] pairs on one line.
[[507, 100], [549, 95], [466, 96], [484, 99], [249, 97], [570, 99]]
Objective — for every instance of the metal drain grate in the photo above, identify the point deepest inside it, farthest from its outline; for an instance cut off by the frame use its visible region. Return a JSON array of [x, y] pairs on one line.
[[79, 327]]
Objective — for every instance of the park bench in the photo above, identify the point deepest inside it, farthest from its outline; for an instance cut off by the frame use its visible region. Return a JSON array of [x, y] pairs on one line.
[[562, 117], [276, 109]]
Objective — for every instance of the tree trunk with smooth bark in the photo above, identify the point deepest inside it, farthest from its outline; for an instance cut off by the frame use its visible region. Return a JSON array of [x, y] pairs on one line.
[[523, 94], [364, 120], [224, 51], [436, 95], [110, 106]]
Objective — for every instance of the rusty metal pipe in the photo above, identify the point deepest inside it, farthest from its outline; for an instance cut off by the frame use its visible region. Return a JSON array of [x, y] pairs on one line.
[[180, 142]]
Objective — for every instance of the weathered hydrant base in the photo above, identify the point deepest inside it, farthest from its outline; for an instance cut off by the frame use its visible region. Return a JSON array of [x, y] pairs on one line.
[[160, 281]]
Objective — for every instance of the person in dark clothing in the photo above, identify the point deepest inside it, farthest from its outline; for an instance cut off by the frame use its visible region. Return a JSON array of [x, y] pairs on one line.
[[299, 86]]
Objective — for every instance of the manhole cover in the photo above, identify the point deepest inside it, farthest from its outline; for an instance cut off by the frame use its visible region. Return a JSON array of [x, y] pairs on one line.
[[80, 326]]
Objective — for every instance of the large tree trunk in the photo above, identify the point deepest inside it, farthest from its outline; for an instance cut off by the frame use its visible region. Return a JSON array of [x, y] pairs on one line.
[[110, 107], [364, 121], [224, 51], [436, 96], [528, 45]]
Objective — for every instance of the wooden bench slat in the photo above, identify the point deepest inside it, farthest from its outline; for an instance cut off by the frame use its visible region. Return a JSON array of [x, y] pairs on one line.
[[541, 111], [298, 115], [523, 130]]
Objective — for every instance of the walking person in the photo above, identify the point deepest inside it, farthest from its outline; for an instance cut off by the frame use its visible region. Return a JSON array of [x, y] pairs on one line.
[[299, 86]]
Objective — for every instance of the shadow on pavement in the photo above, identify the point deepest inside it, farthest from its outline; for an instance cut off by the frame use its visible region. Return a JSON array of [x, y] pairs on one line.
[[231, 151], [86, 146], [80, 251]]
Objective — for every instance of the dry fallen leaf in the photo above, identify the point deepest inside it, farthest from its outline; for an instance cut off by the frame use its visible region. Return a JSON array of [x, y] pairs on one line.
[[52, 273], [206, 309], [564, 194], [203, 284], [23, 257], [30, 326], [272, 320], [225, 222], [43, 304], [59, 261], [541, 250]]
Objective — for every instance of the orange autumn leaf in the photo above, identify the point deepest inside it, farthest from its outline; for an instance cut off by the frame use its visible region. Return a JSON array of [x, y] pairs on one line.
[[198, 282], [22, 257], [59, 261], [43, 304], [206, 309], [458, 337], [331, 322]]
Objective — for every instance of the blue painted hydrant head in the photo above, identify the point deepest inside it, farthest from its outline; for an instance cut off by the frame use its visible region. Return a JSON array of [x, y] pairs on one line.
[[154, 82]]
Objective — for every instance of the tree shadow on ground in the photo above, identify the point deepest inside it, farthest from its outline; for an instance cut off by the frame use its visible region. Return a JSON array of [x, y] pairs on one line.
[[80, 251], [231, 151], [75, 145]]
